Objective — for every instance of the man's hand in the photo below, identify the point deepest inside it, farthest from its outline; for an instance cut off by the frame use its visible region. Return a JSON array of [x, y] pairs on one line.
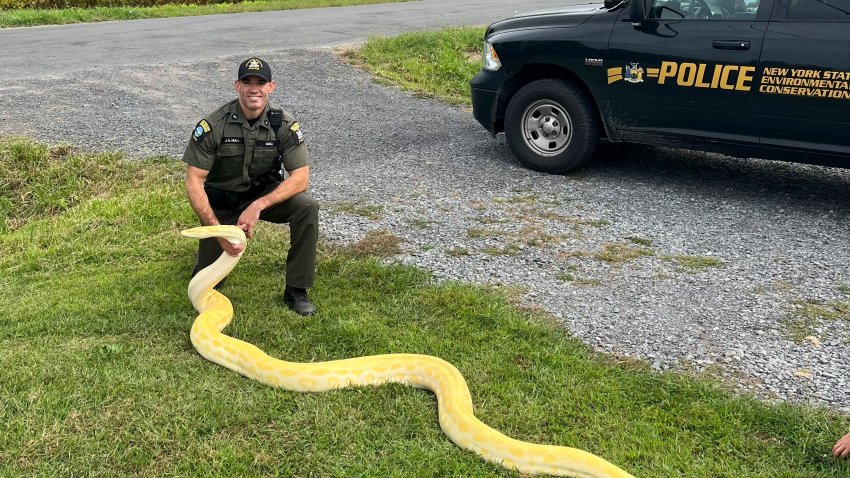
[[231, 249], [296, 182], [842, 447], [248, 219]]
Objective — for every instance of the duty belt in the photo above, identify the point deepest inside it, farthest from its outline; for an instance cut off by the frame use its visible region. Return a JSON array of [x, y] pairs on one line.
[[232, 200]]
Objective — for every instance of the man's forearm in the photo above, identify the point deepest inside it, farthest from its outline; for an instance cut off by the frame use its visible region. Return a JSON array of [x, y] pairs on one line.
[[201, 204], [295, 183]]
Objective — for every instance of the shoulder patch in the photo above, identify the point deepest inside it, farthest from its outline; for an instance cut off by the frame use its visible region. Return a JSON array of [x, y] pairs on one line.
[[201, 130], [297, 134]]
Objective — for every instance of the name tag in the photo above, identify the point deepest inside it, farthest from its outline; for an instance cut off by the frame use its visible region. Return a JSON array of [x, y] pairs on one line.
[[232, 141]]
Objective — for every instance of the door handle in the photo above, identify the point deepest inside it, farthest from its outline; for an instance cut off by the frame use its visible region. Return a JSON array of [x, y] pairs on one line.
[[731, 44]]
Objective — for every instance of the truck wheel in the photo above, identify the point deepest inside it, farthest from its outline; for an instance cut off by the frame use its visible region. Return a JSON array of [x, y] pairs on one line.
[[551, 126]]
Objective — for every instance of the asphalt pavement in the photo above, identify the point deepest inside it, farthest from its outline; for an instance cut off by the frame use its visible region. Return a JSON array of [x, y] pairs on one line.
[[58, 50]]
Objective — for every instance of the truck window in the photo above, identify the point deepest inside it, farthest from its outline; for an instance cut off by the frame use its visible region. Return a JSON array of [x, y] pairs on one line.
[[705, 9], [830, 10]]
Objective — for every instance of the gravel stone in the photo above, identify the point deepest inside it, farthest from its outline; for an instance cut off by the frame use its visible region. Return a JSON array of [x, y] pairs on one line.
[[467, 211]]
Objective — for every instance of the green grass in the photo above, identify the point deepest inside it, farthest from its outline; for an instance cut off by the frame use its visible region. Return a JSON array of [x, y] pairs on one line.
[[376, 243], [480, 232], [100, 379], [27, 17], [640, 241], [620, 253], [570, 277], [434, 64], [368, 211], [807, 314], [832, 310], [694, 263], [458, 252]]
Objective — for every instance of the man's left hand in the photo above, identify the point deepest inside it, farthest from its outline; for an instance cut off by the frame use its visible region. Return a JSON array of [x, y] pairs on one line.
[[248, 219]]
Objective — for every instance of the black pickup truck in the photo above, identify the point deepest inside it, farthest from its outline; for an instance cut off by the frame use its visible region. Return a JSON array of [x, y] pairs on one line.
[[750, 78]]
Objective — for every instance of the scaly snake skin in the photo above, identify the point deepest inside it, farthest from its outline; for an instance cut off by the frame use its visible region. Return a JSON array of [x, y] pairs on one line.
[[422, 371]]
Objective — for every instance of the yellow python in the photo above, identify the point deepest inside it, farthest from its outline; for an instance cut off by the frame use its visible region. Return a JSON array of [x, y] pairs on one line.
[[421, 371]]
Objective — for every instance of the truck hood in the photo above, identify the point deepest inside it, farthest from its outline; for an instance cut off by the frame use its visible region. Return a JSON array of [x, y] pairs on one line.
[[569, 16]]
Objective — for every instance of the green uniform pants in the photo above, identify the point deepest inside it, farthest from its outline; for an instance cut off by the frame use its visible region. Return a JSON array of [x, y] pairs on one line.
[[302, 213]]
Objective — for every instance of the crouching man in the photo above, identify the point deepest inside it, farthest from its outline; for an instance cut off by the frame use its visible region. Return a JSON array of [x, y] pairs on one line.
[[235, 158]]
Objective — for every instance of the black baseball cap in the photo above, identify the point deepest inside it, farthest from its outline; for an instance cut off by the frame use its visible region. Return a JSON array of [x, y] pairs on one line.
[[255, 67]]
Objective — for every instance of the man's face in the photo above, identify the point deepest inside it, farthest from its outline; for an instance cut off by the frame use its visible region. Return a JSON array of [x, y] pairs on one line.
[[253, 93]]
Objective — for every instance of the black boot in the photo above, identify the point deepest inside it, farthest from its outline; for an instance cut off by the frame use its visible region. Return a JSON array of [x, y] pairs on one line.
[[296, 299]]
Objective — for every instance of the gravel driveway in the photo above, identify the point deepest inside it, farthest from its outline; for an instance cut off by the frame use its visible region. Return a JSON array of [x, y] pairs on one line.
[[687, 260]]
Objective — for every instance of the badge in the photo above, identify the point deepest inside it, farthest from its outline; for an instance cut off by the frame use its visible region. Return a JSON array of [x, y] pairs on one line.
[[201, 130], [297, 133]]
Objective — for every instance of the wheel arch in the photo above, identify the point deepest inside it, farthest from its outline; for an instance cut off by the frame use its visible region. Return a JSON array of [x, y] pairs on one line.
[[534, 72]]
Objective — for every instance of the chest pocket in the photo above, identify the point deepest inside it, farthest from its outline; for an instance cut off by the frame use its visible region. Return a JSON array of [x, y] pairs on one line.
[[229, 161], [264, 154]]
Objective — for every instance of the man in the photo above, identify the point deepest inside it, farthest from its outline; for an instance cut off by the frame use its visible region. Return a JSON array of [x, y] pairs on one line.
[[234, 176]]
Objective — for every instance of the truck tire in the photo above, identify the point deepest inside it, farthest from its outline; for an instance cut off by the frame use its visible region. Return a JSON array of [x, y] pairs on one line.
[[551, 126]]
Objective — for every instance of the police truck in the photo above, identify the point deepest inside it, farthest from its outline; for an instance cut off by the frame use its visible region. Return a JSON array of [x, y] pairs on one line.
[[748, 78]]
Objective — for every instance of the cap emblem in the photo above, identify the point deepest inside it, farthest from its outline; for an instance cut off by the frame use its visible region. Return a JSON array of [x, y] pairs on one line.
[[254, 64]]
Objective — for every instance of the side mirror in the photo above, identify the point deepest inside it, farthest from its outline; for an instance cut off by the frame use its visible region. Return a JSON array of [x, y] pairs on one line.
[[609, 4], [638, 12]]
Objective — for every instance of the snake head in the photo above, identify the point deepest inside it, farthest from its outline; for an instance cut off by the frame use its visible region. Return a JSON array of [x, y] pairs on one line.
[[233, 234]]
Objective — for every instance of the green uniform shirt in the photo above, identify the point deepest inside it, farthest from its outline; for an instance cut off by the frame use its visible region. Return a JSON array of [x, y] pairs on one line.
[[234, 152]]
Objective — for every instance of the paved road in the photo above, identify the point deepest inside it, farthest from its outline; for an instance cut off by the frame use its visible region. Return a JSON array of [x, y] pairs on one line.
[[57, 50]]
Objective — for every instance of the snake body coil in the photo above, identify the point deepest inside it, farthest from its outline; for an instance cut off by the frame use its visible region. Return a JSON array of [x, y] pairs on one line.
[[422, 371]]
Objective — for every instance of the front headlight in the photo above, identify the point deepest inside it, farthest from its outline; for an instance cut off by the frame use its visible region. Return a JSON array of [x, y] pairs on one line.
[[491, 59]]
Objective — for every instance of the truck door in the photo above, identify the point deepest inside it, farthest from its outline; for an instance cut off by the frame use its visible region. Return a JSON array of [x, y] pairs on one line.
[[689, 70], [805, 73]]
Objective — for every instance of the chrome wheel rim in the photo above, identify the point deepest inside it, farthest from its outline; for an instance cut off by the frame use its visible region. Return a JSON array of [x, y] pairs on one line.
[[546, 128]]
